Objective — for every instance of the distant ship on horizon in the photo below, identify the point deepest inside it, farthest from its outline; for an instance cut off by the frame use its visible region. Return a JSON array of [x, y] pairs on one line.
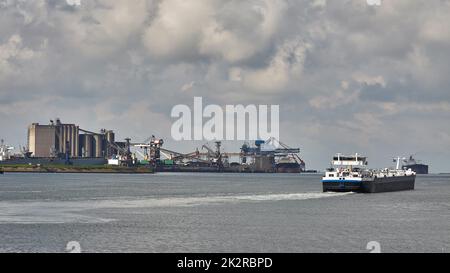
[[415, 165]]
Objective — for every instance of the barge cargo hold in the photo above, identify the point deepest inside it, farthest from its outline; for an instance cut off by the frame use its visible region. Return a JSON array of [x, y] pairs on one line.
[[386, 184]]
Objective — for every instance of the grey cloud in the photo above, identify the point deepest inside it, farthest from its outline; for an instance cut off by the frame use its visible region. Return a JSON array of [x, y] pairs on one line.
[[377, 93]]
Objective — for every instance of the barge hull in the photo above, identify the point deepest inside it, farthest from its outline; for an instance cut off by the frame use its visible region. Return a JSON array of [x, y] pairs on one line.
[[399, 183], [385, 184], [341, 186]]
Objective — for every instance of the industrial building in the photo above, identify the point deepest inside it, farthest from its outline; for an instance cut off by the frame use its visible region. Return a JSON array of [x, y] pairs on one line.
[[60, 140], [270, 156], [62, 143], [41, 139]]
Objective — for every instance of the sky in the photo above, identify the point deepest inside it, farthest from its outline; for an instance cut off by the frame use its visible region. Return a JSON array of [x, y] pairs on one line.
[[348, 76]]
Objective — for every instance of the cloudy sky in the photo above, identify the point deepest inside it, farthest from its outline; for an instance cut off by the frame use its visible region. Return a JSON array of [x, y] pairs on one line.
[[348, 77]]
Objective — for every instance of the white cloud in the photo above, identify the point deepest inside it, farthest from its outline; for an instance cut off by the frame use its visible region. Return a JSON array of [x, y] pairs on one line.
[[73, 2], [260, 21], [368, 80], [188, 86], [176, 29], [319, 3], [340, 97], [14, 57], [231, 31], [286, 64], [101, 29]]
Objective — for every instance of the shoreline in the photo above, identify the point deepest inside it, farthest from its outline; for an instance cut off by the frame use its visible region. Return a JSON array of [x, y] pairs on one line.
[[75, 169]]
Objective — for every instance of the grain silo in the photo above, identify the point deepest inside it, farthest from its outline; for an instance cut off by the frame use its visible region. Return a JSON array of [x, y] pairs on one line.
[[98, 146]]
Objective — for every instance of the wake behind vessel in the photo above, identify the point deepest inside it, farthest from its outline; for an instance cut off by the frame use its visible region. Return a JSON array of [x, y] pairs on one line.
[[350, 173]]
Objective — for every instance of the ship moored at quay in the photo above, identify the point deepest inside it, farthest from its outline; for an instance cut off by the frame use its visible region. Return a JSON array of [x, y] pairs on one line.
[[350, 174]]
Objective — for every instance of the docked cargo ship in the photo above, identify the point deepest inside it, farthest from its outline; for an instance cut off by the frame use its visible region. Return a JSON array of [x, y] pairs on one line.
[[288, 165], [5, 151], [350, 174], [416, 166], [53, 161], [6, 158]]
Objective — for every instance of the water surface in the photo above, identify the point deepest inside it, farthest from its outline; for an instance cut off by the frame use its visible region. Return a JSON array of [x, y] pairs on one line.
[[179, 212]]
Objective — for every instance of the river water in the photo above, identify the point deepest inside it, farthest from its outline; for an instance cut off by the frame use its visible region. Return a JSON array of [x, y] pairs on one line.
[[183, 212]]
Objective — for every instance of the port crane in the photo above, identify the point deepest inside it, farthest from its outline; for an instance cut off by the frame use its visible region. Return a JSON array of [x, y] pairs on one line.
[[285, 150], [270, 148], [153, 150]]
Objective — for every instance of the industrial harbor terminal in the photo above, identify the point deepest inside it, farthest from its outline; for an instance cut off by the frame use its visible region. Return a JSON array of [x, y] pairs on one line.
[[59, 143]]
